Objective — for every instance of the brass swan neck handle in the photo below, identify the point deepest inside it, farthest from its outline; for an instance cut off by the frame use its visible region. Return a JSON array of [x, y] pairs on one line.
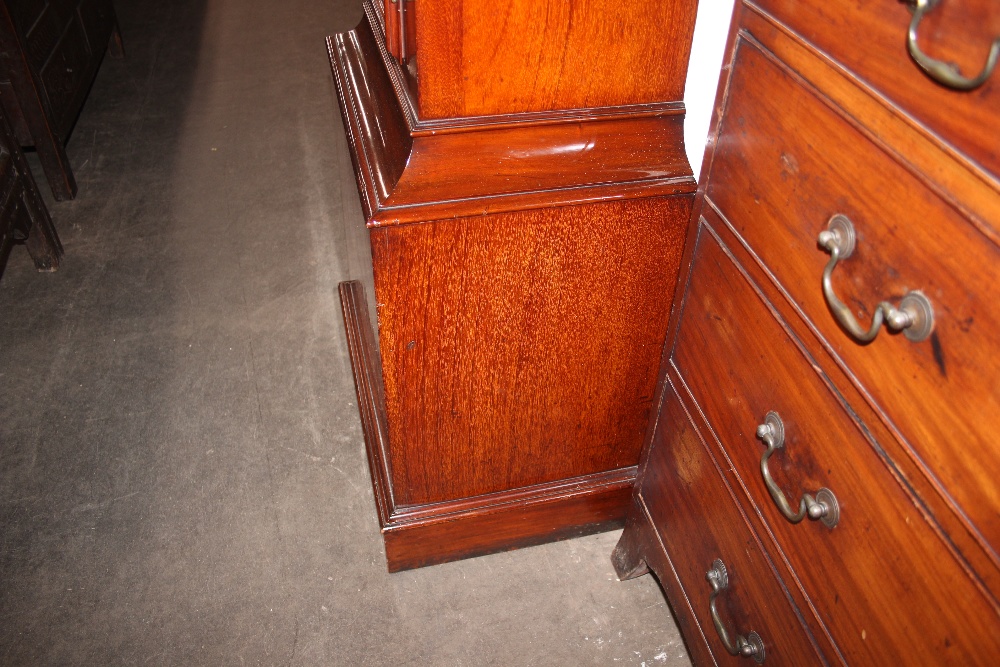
[[946, 73]]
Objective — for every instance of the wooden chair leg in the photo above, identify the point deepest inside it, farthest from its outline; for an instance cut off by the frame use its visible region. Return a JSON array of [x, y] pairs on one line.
[[55, 164], [115, 46], [43, 242], [45, 252]]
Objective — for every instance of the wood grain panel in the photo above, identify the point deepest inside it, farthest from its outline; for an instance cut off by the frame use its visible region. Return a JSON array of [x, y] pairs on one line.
[[778, 191], [483, 57], [416, 536], [868, 563], [940, 165], [821, 111], [964, 545], [522, 348]]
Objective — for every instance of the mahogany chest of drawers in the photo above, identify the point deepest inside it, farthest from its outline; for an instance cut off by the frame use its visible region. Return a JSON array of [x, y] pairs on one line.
[[820, 482], [526, 196]]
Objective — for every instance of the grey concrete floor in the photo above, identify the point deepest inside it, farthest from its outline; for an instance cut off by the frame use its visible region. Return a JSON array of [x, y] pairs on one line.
[[182, 472]]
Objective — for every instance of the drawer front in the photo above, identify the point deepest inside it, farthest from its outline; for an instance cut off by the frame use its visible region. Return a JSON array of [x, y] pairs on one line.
[[882, 581], [956, 31], [697, 521], [785, 164]]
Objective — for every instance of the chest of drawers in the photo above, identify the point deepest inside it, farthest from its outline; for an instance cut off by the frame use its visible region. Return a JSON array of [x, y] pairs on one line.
[[816, 488]]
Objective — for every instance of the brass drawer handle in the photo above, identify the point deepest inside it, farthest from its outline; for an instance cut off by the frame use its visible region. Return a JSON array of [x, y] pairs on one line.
[[824, 507], [751, 646], [942, 72], [914, 317]]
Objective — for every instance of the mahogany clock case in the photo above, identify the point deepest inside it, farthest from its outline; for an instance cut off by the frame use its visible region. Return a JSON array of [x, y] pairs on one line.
[[524, 221]]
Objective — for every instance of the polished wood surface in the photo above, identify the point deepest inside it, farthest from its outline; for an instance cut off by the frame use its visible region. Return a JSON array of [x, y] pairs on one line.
[[521, 348], [738, 375], [411, 170], [393, 34], [23, 216], [942, 169], [780, 206], [955, 31], [518, 263], [49, 55], [508, 520], [965, 546], [485, 57], [416, 536], [809, 124]]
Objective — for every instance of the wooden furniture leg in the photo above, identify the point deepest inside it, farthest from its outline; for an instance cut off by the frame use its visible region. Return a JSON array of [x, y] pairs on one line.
[[627, 558], [116, 49], [42, 243], [23, 216]]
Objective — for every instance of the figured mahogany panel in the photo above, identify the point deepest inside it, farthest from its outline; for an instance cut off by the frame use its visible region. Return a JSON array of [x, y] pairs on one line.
[[955, 31], [484, 57], [416, 536], [785, 164], [693, 512], [521, 263], [522, 348], [737, 375]]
